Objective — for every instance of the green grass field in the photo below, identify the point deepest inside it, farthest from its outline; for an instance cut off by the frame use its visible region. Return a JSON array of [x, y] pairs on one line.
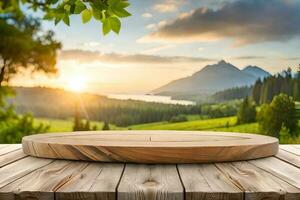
[[66, 125], [226, 124], [205, 124]]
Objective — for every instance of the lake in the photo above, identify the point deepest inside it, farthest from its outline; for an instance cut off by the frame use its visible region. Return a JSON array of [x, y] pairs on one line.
[[150, 98]]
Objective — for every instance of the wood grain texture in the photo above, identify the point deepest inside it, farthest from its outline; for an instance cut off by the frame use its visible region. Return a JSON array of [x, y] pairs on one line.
[[11, 157], [279, 168], [9, 148], [150, 182], [43, 182], [288, 157], [257, 183], [32, 178], [97, 181], [151, 146], [18, 169], [206, 182], [295, 149]]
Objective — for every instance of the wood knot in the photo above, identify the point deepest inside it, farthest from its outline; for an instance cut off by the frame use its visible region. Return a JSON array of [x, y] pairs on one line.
[[150, 183]]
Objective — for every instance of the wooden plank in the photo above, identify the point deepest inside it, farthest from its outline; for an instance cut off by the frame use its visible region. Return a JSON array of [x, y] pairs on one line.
[[151, 146], [291, 148], [10, 148], [41, 183], [3, 145], [207, 182], [11, 157], [288, 157], [98, 181], [257, 183], [280, 169], [20, 168], [150, 182]]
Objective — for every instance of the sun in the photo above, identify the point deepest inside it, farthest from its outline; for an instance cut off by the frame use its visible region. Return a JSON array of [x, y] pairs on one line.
[[76, 84]]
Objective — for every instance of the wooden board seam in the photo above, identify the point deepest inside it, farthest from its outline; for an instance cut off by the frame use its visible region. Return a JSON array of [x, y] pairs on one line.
[[286, 150], [272, 174], [287, 160], [11, 151], [183, 187], [13, 161], [27, 173], [117, 187]]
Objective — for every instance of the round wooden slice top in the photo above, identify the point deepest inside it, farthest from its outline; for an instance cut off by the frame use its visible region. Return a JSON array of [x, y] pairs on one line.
[[150, 146]]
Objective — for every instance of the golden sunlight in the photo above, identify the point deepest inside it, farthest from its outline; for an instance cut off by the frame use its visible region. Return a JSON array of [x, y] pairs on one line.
[[76, 84]]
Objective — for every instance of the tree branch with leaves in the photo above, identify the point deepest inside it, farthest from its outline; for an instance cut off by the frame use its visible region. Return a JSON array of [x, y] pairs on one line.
[[107, 12]]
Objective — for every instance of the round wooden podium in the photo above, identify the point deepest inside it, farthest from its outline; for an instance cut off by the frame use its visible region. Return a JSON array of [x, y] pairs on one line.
[[151, 146]]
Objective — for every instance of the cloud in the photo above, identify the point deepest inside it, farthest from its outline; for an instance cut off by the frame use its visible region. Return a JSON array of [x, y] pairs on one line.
[[248, 57], [245, 22], [159, 48], [150, 26], [156, 26], [168, 6], [293, 58], [94, 56], [147, 15]]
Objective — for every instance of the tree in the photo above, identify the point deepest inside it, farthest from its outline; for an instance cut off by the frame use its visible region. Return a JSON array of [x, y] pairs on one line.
[[280, 113], [296, 92], [22, 46], [256, 91], [12, 126], [105, 126], [247, 112], [108, 12], [79, 123]]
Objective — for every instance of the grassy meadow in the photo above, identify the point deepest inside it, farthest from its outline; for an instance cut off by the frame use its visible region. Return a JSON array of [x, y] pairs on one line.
[[225, 124], [66, 125]]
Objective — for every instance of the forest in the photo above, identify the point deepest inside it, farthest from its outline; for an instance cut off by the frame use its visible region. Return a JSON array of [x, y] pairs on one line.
[[263, 91], [61, 104]]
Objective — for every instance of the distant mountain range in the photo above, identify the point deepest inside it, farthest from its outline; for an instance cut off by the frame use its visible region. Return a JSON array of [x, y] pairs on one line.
[[213, 78]]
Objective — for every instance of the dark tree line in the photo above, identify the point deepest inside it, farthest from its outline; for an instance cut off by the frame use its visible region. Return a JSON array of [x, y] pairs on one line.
[[232, 93], [264, 90]]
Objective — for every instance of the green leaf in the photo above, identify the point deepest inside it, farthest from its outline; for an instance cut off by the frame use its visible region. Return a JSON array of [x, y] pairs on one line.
[[118, 7], [66, 19], [57, 20], [97, 14], [121, 12], [106, 27], [115, 24], [48, 16], [79, 7], [86, 15]]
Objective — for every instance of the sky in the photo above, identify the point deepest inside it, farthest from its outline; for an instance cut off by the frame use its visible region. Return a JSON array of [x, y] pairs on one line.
[[165, 40]]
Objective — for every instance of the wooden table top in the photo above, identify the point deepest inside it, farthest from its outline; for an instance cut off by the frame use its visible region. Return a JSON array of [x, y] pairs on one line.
[[25, 177]]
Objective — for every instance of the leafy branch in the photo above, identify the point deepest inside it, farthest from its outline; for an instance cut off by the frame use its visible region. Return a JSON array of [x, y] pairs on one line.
[[108, 12]]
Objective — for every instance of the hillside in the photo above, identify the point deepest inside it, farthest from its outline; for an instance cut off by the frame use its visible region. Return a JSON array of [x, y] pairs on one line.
[[211, 79], [61, 104]]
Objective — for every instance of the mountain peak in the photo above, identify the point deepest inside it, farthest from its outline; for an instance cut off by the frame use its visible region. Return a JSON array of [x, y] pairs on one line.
[[213, 78], [256, 71], [222, 62]]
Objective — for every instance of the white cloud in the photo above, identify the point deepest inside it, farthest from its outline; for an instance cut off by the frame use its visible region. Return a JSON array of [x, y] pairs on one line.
[[168, 6], [159, 48], [151, 26], [147, 15]]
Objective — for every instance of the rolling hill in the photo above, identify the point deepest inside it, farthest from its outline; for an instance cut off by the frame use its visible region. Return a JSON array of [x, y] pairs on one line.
[[211, 79]]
